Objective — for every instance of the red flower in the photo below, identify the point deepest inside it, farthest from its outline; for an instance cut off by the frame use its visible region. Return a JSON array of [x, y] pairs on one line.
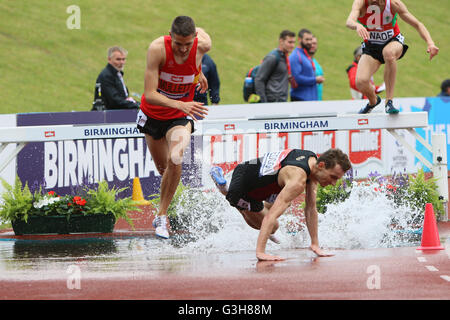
[[79, 201], [51, 193]]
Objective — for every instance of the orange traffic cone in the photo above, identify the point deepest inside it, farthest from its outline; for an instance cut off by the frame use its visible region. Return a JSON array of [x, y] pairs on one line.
[[430, 233], [138, 196]]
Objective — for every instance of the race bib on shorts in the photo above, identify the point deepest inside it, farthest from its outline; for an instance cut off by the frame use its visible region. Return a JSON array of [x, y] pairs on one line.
[[242, 204], [141, 119], [400, 38]]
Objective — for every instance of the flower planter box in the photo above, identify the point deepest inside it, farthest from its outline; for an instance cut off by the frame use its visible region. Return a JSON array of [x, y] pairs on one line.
[[98, 223]]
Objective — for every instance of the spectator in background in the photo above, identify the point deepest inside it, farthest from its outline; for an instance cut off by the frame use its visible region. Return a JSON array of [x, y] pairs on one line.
[[272, 79], [445, 88], [110, 87], [319, 70], [209, 69], [304, 69], [351, 73]]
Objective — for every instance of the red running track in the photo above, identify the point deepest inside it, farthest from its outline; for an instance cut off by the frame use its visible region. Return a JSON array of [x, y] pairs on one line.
[[394, 273]]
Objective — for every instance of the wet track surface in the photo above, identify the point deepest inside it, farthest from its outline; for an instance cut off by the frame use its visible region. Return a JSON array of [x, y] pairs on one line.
[[139, 267]]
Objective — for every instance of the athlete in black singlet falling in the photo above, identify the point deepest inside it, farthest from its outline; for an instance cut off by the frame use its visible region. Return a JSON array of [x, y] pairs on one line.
[[262, 189]]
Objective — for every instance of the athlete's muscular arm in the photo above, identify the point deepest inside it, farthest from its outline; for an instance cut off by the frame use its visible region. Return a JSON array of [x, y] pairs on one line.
[[311, 216], [293, 181], [156, 56], [352, 20], [204, 41], [203, 46], [400, 8]]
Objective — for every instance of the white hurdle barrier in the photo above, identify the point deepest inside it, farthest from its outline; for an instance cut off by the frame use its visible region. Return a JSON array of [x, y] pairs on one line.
[[301, 123], [313, 122]]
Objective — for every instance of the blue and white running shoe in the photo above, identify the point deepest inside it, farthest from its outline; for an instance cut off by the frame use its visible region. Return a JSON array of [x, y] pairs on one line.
[[160, 225], [216, 174]]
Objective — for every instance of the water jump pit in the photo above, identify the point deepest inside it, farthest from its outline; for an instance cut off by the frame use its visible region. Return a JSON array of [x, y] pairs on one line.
[[213, 257]]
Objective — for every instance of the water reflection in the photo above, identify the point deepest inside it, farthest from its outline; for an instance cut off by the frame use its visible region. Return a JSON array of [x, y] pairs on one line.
[[266, 266], [63, 248]]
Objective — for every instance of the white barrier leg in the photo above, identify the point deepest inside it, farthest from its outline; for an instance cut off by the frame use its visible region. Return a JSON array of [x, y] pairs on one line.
[[18, 148], [440, 170]]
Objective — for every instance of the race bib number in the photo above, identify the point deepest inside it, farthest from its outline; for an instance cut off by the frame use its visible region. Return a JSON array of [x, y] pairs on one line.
[[141, 119], [381, 36], [245, 205], [400, 38], [271, 162]]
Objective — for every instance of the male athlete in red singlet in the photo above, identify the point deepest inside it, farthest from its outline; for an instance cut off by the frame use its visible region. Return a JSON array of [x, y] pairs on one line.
[[167, 107], [376, 22]]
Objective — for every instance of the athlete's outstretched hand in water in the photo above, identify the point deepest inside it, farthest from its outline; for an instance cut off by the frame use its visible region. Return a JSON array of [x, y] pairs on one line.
[[268, 257], [316, 249]]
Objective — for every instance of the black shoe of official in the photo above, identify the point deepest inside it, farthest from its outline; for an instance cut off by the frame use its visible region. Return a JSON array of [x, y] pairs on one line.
[[390, 109], [368, 107]]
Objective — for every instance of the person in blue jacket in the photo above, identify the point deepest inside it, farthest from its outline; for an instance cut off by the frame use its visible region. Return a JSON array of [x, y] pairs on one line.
[[209, 69], [319, 69], [304, 70]]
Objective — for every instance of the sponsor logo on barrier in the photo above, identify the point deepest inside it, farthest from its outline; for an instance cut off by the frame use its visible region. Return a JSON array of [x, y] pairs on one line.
[[364, 144], [318, 142], [227, 151], [266, 142], [363, 122], [49, 134], [229, 126]]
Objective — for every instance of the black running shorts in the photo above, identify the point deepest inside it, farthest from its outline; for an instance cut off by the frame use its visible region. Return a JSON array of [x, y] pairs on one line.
[[157, 128], [236, 195], [376, 50]]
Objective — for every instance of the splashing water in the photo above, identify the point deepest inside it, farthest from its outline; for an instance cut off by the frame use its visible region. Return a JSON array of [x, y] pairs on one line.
[[367, 219]]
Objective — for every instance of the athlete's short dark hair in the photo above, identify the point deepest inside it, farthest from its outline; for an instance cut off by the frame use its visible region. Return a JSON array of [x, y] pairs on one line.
[[183, 26], [332, 157], [302, 32], [286, 33]]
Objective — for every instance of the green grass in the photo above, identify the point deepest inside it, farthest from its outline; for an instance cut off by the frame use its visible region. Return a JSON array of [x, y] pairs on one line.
[[46, 67]]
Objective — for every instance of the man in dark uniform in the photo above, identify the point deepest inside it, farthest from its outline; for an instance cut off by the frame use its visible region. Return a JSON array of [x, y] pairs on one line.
[[110, 87], [209, 69], [262, 189]]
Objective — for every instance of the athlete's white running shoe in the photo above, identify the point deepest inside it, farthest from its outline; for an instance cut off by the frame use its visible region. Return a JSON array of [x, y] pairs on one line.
[[160, 225], [216, 174]]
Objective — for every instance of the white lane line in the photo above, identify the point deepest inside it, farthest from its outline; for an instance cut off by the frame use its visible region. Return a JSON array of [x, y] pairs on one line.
[[447, 278], [422, 259], [431, 268]]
